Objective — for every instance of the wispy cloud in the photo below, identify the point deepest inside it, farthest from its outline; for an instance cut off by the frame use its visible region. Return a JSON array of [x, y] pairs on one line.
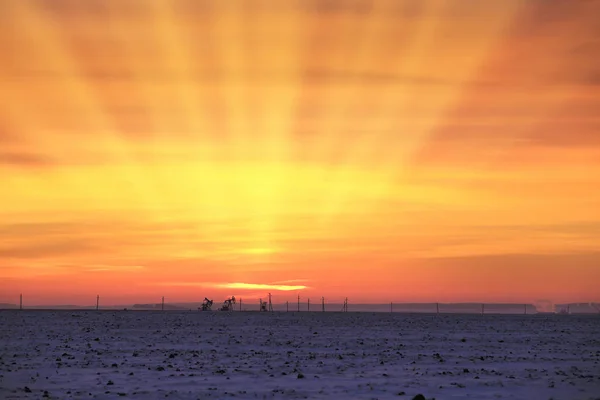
[[24, 159], [119, 268], [39, 250], [288, 281]]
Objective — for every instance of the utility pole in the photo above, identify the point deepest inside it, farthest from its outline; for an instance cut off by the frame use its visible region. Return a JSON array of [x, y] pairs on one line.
[[21, 301], [308, 305], [240, 304], [162, 305], [298, 303], [287, 306], [482, 309], [270, 303], [323, 303], [97, 302]]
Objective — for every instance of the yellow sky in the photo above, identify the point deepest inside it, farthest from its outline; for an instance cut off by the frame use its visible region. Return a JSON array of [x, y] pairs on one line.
[[389, 150]]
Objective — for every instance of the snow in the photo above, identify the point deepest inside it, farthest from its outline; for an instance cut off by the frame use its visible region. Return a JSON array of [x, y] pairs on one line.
[[251, 355]]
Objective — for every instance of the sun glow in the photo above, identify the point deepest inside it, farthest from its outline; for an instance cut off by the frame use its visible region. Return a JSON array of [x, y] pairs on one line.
[[390, 146], [258, 286]]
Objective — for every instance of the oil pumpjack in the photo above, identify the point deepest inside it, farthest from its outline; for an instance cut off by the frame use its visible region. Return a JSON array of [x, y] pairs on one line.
[[206, 304], [228, 304]]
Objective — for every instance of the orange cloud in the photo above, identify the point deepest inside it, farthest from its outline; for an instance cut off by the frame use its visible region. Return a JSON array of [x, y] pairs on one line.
[[238, 286], [257, 286]]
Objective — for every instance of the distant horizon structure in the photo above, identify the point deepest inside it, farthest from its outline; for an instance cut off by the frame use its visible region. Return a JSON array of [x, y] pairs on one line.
[[475, 307], [298, 303], [206, 304], [228, 304], [262, 305], [345, 306]]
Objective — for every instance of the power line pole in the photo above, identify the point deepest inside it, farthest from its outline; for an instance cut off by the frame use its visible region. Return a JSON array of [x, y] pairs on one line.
[[97, 302], [287, 306], [308, 305], [298, 303], [162, 305], [323, 303], [21, 301], [240, 304]]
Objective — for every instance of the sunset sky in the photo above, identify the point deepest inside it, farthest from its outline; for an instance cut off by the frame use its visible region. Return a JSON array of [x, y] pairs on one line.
[[388, 150]]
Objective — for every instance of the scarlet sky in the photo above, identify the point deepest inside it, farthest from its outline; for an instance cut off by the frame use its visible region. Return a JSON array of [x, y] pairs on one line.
[[389, 150]]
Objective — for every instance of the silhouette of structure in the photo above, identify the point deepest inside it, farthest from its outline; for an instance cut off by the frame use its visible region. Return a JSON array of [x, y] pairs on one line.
[[206, 304], [345, 306], [228, 304]]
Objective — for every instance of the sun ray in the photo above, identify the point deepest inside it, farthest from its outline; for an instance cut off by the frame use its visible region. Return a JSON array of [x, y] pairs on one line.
[[354, 144], [56, 58]]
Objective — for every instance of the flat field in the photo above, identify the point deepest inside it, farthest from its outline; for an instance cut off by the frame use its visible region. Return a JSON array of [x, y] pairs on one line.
[[251, 355]]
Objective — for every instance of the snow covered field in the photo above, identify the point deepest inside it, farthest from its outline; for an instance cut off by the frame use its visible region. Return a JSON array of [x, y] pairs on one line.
[[239, 355]]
